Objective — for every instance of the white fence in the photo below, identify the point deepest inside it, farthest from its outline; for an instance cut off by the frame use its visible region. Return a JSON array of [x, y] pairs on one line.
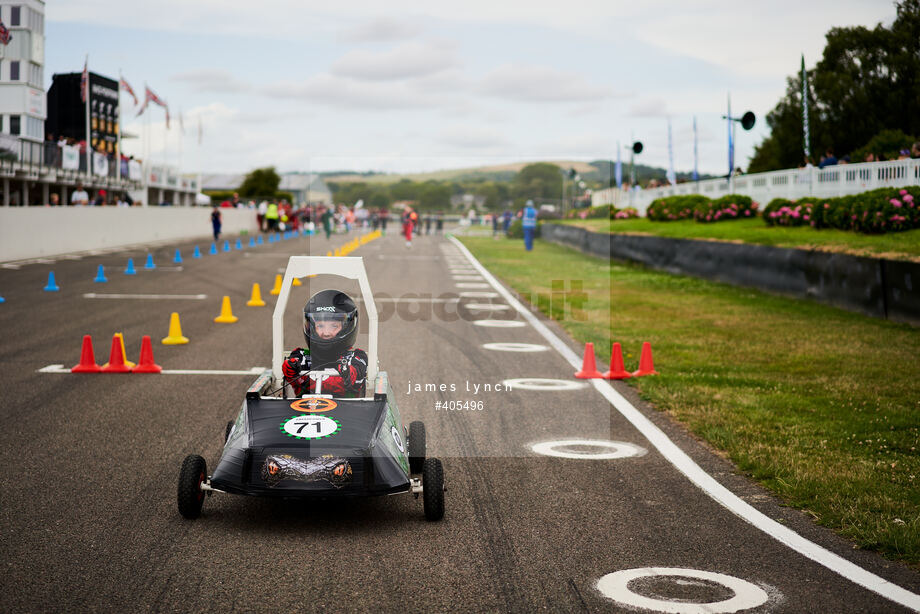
[[793, 184]]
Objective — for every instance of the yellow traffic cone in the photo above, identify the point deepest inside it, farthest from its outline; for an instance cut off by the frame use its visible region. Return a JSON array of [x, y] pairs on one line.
[[256, 300], [175, 332], [124, 356], [328, 254], [296, 282], [226, 314], [277, 289]]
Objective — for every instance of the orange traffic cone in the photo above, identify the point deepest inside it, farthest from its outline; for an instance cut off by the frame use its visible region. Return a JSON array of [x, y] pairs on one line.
[[277, 289], [226, 313], [588, 365], [256, 300], [145, 363], [116, 362], [87, 358], [616, 365], [646, 367]]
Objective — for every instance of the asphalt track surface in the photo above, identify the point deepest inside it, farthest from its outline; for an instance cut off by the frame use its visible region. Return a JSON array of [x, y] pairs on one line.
[[88, 516]]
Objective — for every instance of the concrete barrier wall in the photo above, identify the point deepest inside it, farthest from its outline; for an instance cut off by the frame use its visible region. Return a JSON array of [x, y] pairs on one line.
[[34, 232], [873, 286]]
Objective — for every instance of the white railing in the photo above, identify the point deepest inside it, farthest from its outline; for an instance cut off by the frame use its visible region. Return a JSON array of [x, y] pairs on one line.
[[793, 184]]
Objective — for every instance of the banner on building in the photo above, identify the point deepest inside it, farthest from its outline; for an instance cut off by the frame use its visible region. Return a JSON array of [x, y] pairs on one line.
[[135, 173], [70, 158], [100, 164]]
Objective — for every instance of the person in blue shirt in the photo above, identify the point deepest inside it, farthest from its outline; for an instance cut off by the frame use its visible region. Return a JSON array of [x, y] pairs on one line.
[[529, 223]]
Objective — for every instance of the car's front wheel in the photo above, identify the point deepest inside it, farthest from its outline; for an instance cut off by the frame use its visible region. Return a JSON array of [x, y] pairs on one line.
[[190, 496], [417, 446]]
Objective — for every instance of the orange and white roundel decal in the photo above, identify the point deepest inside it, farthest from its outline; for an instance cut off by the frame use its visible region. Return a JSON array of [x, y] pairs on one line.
[[313, 405]]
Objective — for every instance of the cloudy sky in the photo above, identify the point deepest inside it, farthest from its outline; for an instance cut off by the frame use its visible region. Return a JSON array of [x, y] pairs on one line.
[[409, 86]]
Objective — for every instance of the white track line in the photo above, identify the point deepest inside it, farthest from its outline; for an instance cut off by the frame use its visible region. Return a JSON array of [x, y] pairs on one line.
[[703, 480], [253, 370], [192, 297]]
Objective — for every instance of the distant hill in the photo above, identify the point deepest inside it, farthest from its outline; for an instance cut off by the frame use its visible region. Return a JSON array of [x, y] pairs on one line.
[[498, 172]]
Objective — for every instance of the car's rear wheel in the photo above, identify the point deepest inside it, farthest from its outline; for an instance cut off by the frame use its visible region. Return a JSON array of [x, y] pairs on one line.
[[433, 489], [190, 496], [227, 433], [417, 446]]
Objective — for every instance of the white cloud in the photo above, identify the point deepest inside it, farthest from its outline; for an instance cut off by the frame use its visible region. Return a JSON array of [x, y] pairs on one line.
[[381, 29], [212, 80], [405, 61], [653, 107], [528, 83], [368, 95], [472, 137]]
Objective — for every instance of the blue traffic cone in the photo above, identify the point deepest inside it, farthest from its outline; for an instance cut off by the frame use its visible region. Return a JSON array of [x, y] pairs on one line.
[[2, 300], [213, 248], [226, 246], [177, 258], [100, 276], [239, 244], [196, 253], [149, 264], [260, 241], [130, 269], [51, 287], [252, 241]]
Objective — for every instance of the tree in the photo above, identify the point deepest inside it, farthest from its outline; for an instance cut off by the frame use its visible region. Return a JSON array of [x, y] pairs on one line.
[[867, 81], [262, 182], [539, 180], [434, 195]]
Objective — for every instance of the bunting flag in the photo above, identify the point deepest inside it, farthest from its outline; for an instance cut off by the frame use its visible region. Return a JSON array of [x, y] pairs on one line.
[[126, 87], [142, 109], [805, 109], [84, 81], [696, 174], [672, 177], [152, 97], [5, 35], [618, 171]]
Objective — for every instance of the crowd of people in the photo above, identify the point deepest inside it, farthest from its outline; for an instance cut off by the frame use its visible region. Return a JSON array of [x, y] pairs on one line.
[[830, 159]]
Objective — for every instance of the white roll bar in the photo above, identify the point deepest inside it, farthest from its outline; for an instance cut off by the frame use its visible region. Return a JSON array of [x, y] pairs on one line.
[[303, 266]]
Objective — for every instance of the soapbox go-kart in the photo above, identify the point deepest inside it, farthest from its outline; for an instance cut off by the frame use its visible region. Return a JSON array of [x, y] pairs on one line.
[[317, 446]]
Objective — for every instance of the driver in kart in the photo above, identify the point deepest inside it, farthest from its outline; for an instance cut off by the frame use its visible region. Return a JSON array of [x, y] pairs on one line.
[[330, 327]]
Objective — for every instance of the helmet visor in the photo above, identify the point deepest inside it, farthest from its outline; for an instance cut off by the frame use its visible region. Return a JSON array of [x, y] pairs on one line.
[[327, 324]]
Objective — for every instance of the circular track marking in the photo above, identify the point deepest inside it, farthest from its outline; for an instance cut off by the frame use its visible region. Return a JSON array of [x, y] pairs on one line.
[[615, 586], [609, 449], [542, 384], [515, 347], [500, 323]]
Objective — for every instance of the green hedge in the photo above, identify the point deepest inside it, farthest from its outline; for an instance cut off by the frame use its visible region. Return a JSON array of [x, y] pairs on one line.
[[877, 211]]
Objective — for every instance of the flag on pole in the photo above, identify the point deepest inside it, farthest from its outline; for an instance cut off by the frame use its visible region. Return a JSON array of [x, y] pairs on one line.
[[805, 109], [672, 177], [5, 35], [84, 81], [618, 172], [152, 97], [181, 123], [167, 116], [126, 87], [731, 143], [696, 174], [200, 132]]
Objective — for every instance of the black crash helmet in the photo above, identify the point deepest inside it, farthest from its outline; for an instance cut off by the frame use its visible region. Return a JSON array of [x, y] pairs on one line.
[[329, 306]]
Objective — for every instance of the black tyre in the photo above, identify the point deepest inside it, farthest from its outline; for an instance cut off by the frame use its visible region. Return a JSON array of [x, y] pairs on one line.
[[433, 489], [190, 496], [417, 446], [229, 428]]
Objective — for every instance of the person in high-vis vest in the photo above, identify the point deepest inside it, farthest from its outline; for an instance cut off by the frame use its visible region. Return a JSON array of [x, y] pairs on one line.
[[529, 223], [271, 217]]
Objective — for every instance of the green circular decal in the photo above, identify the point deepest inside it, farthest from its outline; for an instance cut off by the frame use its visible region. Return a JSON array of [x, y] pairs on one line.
[[310, 426]]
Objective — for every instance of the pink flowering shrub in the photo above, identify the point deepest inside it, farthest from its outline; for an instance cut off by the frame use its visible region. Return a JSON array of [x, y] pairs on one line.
[[625, 214], [729, 207], [674, 207], [877, 211]]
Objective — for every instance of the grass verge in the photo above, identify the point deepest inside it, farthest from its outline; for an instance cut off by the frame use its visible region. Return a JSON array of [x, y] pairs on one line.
[[895, 245], [820, 405]]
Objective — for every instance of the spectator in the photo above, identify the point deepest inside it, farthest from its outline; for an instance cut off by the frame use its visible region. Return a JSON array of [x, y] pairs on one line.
[[494, 225], [904, 154], [915, 150], [54, 200], [529, 223], [506, 222], [215, 223], [100, 199], [439, 222], [870, 157], [828, 159], [844, 160], [235, 201], [428, 224], [79, 196]]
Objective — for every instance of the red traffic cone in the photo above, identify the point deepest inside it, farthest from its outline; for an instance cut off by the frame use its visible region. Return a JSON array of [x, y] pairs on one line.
[[87, 358], [588, 366], [646, 367], [116, 358], [616, 365], [145, 364]]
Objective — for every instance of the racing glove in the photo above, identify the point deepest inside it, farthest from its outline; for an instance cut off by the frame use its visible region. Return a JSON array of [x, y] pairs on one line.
[[295, 363]]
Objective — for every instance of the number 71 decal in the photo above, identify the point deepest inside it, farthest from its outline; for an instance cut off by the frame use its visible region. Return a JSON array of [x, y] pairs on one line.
[[310, 427]]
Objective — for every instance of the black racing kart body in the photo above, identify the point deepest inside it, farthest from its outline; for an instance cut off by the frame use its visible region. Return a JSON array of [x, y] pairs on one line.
[[317, 446]]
